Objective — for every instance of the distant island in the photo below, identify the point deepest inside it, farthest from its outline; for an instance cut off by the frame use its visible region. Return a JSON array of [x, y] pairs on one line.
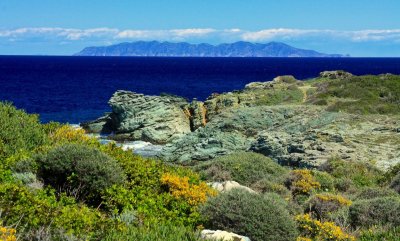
[[168, 49]]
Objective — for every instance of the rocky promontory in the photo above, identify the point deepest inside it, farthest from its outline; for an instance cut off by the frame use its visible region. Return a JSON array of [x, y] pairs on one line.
[[136, 116], [298, 123]]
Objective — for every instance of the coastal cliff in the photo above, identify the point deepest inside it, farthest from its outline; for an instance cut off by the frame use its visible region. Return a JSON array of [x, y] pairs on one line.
[[296, 123]]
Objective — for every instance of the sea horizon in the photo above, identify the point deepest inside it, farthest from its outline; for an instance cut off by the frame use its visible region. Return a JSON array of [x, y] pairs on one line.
[[55, 86]]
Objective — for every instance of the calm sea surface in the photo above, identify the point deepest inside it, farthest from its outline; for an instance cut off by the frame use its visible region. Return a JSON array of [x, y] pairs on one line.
[[76, 89]]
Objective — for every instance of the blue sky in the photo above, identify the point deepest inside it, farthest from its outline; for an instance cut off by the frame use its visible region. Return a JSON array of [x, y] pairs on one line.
[[62, 27]]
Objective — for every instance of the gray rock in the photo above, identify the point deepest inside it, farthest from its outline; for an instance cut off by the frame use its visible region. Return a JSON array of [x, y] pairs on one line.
[[101, 125], [228, 186], [293, 133], [337, 74], [155, 119], [271, 144], [203, 144], [219, 235]]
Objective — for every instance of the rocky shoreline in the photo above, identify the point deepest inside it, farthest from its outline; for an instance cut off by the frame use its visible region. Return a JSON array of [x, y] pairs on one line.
[[291, 121]]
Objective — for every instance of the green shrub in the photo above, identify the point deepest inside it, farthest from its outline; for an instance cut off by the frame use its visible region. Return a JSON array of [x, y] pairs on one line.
[[267, 186], [41, 212], [391, 173], [79, 170], [395, 184], [344, 184], [145, 192], [322, 205], [361, 94], [243, 167], [361, 173], [377, 211], [258, 217], [325, 179], [19, 131], [25, 177], [375, 192], [302, 182], [380, 233], [162, 232], [20, 135]]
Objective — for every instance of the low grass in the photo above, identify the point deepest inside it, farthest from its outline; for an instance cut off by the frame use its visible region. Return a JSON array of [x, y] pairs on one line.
[[369, 94], [275, 96], [163, 232]]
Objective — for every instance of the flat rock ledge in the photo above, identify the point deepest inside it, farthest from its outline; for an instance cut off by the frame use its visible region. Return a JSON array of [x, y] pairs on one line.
[[219, 235]]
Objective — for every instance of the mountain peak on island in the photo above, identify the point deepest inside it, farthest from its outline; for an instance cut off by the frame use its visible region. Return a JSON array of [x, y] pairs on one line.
[[183, 49]]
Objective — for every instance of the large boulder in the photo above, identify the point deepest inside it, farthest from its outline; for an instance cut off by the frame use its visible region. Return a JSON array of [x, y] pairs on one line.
[[156, 119], [219, 235], [228, 186]]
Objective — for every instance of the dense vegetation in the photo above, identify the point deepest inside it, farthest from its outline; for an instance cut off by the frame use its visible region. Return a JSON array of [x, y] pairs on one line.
[[59, 184], [371, 94], [56, 183]]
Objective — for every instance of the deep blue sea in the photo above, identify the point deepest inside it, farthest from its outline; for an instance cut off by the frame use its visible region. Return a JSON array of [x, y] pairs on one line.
[[76, 89]]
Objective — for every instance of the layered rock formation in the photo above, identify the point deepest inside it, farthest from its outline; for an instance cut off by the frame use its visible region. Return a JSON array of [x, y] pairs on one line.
[[293, 122], [136, 116]]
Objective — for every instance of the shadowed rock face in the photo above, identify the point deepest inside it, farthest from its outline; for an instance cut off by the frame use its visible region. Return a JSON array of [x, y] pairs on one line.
[[277, 119]]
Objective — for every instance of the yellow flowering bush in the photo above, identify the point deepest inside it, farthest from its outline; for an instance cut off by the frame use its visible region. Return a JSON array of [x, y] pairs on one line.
[[303, 239], [302, 182], [334, 198], [180, 187], [323, 205], [69, 134], [317, 230], [7, 234]]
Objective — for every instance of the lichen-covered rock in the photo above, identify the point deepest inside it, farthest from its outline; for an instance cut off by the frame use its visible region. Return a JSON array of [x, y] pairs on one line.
[[298, 135], [218, 103], [271, 144], [219, 235], [275, 118], [203, 144], [156, 119], [337, 74]]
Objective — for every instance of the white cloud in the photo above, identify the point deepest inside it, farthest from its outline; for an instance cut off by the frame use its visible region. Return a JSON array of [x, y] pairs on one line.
[[164, 34], [67, 33], [201, 34], [192, 32], [354, 36], [268, 34], [77, 34], [376, 35]]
